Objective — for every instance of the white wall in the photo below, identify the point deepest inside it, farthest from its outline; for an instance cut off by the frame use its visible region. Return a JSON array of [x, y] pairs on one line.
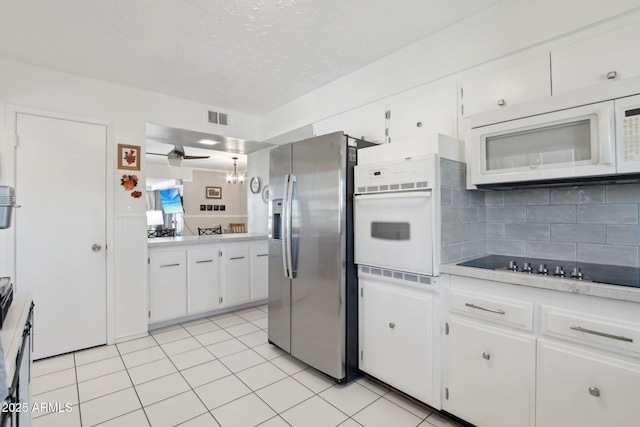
[[127, 111], [258, 166], [507, 27]]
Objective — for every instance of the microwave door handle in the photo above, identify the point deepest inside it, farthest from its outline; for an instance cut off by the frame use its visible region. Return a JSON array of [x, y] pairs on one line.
[[607, 137]]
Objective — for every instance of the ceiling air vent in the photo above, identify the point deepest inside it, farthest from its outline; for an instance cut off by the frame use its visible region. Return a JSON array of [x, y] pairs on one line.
[[217, 118]]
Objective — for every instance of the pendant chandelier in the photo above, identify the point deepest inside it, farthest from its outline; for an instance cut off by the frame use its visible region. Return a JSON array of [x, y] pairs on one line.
[[235, 177]]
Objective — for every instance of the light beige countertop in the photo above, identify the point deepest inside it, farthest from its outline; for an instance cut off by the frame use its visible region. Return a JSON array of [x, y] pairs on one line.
[[196, 240], [622, 293], [12, 329]]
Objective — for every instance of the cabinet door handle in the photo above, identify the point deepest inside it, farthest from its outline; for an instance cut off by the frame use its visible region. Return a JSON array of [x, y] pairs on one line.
[[236, 257], [501, 102], [490, 310], [206, 260], [594, 391], [601, 334], [169, 265], [612, 75], [486, 355], [392, 325], [263, 254]]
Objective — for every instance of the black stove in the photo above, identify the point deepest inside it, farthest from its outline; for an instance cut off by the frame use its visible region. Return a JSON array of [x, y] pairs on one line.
[[597, 273]]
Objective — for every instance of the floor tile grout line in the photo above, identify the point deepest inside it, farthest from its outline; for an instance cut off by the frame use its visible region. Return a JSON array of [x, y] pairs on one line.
[[134, 390], [191, 389]]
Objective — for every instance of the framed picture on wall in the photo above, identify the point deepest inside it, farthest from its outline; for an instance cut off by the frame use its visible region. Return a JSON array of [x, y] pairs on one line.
[[128, 157], [214, 192]]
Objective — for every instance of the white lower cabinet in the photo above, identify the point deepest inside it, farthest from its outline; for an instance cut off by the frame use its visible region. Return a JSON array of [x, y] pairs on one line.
[[235, 275], [522, 356], [168, 285], [259, 271], [491, 379], [203, 280], [397, 337], [577, 387]]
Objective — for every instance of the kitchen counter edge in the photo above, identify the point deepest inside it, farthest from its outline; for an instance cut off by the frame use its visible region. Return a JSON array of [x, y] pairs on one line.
[[12, 330], [616, 292], [159, 242]]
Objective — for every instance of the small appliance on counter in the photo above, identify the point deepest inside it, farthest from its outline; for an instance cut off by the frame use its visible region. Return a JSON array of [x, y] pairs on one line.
[[7, 203]]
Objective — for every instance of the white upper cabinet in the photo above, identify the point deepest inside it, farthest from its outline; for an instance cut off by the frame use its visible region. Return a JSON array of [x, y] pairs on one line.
[[504, 87], [365, 122], [595, 61], [415, 115]]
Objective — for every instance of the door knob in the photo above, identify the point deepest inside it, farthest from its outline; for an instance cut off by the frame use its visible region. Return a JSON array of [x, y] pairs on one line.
[[96, 247]]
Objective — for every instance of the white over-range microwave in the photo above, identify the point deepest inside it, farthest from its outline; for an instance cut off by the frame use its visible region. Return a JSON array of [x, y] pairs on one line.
[[558, 141]]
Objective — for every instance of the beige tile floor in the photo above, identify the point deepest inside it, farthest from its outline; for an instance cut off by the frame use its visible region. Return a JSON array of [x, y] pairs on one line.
[[216, 371]]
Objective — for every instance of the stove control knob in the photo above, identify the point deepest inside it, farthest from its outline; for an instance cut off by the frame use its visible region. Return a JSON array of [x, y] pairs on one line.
[[558, 271], [576, 274], [542, 269], [526, 268], [513, 266]]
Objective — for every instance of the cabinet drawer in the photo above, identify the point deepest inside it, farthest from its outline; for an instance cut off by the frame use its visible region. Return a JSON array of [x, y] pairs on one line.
[[518, 314], [603, 332]]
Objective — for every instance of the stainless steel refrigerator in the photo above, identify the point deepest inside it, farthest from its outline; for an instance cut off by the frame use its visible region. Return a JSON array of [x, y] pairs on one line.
[[313, 305]]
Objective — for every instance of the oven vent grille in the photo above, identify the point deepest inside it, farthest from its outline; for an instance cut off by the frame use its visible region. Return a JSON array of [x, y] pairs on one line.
[[393, 187], [398, 275]]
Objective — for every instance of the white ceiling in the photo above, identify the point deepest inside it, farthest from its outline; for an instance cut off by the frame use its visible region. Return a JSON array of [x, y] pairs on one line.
[[249, 56]]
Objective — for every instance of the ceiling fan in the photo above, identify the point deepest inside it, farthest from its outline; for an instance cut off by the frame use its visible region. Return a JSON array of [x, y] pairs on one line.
[[177, 155]]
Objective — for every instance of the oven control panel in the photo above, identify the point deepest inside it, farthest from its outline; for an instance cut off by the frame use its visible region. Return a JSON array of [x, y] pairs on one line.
[[397, 175]]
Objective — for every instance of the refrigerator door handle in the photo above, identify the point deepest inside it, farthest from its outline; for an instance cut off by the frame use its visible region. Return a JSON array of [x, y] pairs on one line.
[[287, 237], [285, 227]]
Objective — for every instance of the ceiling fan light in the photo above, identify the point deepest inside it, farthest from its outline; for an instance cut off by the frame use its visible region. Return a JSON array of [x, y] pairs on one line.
[[174, 161]]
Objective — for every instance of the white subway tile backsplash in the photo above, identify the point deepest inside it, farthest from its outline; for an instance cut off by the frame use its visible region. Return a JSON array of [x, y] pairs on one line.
[[552, 214], [608, 254], [623, 193], [454, 233], [598, 224], [459, 197], [552, 250], [608, 214], [450, 177], [538, 196], [505, 214], [451, 252], [577, 195], [578, 233], [506, 247], [445, 196], [528, 231], [495, 231], [494, 198], [623, 235], [460, 214]]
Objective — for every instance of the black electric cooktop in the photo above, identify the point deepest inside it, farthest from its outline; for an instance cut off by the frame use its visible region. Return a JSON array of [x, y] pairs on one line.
[[597, 273]]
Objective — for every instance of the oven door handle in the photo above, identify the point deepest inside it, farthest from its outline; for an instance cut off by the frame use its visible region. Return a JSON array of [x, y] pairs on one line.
[[396, 195]]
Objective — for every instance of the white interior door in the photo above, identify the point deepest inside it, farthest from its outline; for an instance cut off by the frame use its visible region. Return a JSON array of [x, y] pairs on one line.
[[61, 230]]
